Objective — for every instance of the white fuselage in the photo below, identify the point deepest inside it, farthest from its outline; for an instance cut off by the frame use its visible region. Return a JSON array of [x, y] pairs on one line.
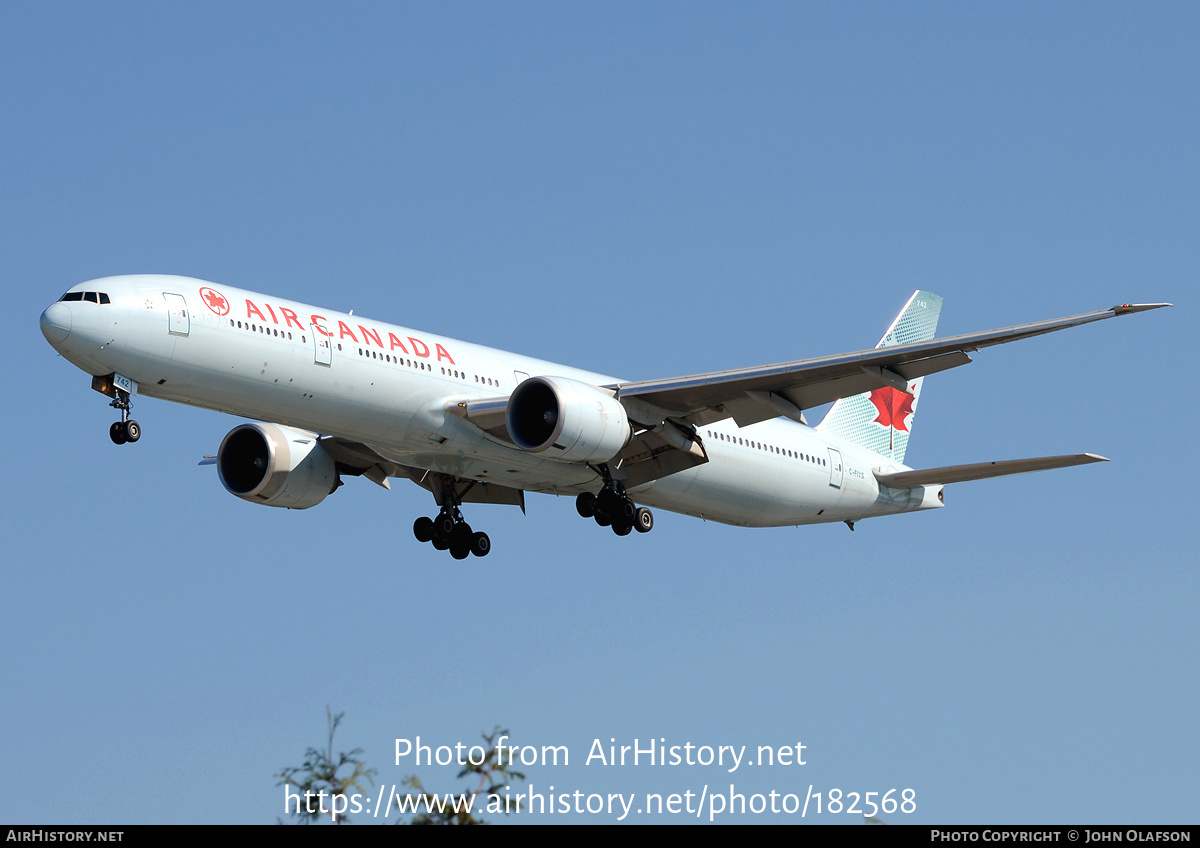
[[389, 387]]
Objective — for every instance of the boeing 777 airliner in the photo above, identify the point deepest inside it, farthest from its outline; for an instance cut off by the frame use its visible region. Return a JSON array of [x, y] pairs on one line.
[[338, 395]]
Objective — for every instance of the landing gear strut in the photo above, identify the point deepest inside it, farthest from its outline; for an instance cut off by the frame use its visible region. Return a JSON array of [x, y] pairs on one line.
[[450, 531], [612, 507], [125, 430]]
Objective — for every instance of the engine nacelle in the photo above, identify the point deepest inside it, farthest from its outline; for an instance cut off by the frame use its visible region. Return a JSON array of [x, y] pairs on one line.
[[275, 466], [566, 419]]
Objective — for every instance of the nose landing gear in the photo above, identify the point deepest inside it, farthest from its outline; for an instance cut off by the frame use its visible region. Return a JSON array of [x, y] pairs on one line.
[[125, 430]]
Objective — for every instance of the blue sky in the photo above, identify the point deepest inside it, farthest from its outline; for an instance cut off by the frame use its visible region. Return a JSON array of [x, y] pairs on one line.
[[646, 190]]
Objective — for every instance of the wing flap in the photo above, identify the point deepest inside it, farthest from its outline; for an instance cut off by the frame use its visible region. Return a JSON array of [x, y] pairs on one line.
[[981, 470], [931, 365], [654, 454], [360, 460], [466, 491]]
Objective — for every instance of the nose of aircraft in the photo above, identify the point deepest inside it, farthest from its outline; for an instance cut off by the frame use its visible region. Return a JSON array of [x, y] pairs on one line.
[[56, 323]]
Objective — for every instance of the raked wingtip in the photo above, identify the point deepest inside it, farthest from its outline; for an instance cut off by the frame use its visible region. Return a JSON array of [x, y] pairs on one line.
[[1128, 308]]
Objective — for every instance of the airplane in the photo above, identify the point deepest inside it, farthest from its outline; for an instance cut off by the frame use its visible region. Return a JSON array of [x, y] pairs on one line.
[[333, 395]]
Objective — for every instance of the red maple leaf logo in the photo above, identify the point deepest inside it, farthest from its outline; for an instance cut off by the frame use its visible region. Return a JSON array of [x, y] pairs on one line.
[[894, 408], [215, 301]]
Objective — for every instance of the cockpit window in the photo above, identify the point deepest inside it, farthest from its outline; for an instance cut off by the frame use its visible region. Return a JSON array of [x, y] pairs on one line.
[[90, 297]]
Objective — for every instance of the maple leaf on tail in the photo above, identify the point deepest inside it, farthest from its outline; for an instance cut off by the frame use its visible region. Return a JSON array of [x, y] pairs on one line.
[[894, 408]]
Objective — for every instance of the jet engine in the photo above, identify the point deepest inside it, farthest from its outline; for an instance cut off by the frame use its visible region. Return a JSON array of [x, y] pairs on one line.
[[276, 466], [567, 420]]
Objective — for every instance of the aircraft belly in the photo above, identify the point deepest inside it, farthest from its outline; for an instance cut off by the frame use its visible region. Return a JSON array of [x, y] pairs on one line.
[[750, 489], [771, 490]]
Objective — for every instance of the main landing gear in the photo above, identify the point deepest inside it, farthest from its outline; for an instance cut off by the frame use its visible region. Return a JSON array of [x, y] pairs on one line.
[[450, 532], [125, 430], [613, 508]]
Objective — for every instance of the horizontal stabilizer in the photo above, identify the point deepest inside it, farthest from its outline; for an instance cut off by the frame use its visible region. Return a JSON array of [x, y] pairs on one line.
[[981, 470]]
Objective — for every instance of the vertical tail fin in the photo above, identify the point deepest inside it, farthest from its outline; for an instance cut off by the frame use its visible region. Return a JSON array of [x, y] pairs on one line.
[[881, 421]]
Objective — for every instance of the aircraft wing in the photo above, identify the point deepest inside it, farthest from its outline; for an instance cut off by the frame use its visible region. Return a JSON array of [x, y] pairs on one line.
[[357, 459], [750, 395]]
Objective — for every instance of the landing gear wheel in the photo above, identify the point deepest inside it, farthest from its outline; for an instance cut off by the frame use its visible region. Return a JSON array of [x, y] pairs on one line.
[[622, 529], [443, 525], [608, 502], [125, 430], [460, 540], [585, 505], [423, 528], [602, 519], [461, 537], [481, 545], [643, 520], [625, 511], [439, 543]]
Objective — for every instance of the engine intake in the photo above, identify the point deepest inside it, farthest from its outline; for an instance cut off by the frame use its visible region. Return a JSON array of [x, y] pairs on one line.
[[275, 466], [567, 420]]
